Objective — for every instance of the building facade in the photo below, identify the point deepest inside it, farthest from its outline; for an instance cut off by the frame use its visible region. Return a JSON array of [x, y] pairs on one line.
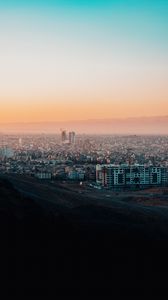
[[72, 137], [110, 176], [63, 136]]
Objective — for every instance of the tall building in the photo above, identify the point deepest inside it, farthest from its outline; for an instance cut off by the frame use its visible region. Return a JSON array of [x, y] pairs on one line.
[[6, 152], [63, 136], [20, 142], [72, 137]]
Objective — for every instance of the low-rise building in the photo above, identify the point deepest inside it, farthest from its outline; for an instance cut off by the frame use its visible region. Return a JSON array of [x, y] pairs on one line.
[[43, 175]]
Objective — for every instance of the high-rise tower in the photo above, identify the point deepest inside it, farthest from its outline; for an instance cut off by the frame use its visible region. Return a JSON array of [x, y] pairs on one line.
[[72, 137], [63, 136]]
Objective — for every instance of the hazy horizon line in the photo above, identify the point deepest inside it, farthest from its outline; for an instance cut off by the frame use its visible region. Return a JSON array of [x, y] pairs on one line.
[[85, 120]]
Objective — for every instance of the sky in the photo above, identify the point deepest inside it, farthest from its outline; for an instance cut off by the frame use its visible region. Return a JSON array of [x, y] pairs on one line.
[[66, 60]]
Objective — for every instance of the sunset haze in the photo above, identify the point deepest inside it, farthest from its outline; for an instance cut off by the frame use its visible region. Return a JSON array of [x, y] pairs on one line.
[[79, 60]]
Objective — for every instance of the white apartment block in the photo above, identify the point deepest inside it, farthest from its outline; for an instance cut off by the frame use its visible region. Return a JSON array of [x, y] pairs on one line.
[[127, 175]]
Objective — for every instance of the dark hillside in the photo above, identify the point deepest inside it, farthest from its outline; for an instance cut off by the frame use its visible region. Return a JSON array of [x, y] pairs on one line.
[[85, 247]]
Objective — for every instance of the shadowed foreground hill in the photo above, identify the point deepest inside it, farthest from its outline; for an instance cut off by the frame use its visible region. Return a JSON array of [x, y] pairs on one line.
[[85, 247]]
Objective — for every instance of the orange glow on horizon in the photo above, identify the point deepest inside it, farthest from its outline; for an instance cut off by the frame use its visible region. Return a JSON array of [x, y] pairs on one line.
[[55, 66], [48, 111]]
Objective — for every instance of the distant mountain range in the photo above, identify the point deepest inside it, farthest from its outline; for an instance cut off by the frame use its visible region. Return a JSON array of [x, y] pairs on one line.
[[141, 125]]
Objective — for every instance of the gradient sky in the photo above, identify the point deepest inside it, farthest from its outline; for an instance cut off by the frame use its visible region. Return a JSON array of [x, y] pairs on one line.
[[93, 59]]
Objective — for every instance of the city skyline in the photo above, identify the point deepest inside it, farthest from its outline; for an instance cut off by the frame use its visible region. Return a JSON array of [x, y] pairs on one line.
[[79, 60]]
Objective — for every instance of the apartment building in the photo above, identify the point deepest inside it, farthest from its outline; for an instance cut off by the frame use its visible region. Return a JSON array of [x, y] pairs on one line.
[[109, 175]]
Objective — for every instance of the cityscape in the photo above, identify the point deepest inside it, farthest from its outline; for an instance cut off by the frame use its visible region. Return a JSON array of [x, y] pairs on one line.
[[84, 148], [103, 161]]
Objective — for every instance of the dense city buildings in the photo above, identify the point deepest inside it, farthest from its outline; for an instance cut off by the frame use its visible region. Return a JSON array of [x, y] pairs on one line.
[[104, 160]]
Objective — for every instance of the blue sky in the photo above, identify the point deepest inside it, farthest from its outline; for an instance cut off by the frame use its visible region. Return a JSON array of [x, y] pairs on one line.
[[150, 4], [113, 52]]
